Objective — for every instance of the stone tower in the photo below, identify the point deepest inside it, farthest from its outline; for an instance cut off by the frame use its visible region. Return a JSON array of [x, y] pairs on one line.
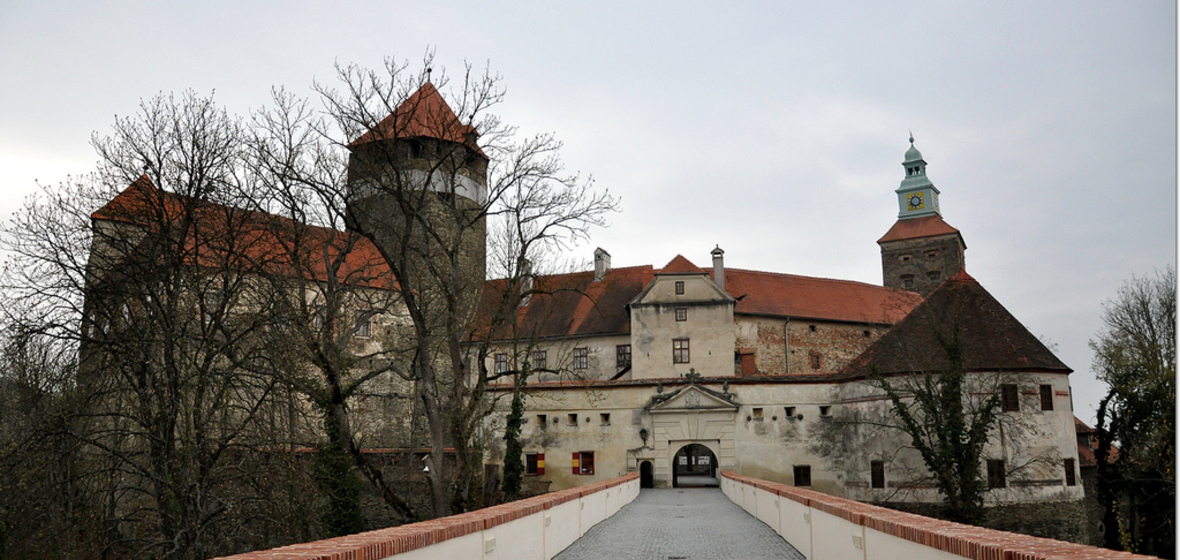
[[921, 250], [418, 183]]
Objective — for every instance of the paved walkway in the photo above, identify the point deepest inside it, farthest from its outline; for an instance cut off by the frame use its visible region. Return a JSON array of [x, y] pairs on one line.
[[681, 523]]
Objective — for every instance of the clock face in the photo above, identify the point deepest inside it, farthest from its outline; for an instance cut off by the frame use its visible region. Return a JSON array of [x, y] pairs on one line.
[[916, 202]]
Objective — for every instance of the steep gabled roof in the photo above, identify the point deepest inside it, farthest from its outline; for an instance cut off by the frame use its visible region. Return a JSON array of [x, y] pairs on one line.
[[993, 340], [916, 228], [680, 265], [425, 114], [570, 304], [216, 235], [789, 295]]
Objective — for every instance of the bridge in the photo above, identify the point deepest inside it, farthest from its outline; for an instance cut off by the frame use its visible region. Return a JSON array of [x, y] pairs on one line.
[[744, 518]]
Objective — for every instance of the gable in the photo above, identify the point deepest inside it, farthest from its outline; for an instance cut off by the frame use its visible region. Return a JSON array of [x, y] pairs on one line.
[[693, 397]]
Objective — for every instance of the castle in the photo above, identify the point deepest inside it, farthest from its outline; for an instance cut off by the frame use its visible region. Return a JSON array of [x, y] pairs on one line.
[[682, 370]]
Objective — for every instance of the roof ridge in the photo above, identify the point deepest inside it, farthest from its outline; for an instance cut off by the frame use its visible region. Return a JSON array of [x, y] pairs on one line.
[[820, 278]]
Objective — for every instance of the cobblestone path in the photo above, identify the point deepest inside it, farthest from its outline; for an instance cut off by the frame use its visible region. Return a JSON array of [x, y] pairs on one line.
[[680, 524]]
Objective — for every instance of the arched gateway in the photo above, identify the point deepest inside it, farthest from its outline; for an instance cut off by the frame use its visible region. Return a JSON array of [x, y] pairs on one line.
[[693, 424]]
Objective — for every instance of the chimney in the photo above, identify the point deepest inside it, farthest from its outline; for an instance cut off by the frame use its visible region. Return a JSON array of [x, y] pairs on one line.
[[719, 267], [601, 264]]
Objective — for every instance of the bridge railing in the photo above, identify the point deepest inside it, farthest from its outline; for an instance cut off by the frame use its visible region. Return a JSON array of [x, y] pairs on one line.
[[531, 529], [825, 527]]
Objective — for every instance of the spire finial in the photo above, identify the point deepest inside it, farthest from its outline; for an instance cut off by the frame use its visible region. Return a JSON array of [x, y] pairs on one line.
[[911, 137], [429, 70]]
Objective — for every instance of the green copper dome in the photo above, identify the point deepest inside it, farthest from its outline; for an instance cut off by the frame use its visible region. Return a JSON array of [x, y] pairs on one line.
[[912, 154]]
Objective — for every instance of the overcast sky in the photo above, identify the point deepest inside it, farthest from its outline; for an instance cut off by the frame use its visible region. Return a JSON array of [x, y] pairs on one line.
[[773, 129]]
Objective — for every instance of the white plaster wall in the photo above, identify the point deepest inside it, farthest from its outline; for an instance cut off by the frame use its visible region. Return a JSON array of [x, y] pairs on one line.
[[881, 545], [522, 539], [767, 505], [562, 527], [835, 538], [593, 510], [467, 546], [795, 525]]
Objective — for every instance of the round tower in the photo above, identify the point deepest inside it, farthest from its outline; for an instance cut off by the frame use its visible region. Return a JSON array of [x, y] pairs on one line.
[[418, 185]]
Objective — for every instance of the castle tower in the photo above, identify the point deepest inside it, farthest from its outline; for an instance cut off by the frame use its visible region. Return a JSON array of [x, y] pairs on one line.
[[418, 183], [921, 250]]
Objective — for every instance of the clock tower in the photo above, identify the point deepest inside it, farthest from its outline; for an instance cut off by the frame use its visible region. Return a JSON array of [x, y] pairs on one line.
[[920, 250]]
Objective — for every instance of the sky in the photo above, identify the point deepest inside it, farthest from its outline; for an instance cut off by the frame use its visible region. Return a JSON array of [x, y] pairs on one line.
[[774, 130]]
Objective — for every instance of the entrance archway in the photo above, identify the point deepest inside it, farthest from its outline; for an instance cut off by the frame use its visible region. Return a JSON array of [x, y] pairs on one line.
[[694, 465], [646, 475]]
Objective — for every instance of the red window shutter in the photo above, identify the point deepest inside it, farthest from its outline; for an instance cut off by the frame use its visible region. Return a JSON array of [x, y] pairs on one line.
[[540, 463], [576, 462]]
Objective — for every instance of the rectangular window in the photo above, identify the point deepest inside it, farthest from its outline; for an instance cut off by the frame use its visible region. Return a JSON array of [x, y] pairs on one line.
[[790, 412], [534, 464], [679, 287], [542, 420], [825, 411], [364, 325], [802, 475], [878, 473], [996, 478], [540, 359], [581, 358], [623, 355], [605, 418], [583, 462], [572, 419], [758, 414], [934, 275], [1071, 476], [1009, 398], [681, 313], [816, 361], [680, 353], [501, 363], [1046, 397]]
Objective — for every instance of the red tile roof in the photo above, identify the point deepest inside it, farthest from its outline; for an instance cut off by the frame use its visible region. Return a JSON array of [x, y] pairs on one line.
[[680, 265], [993, 340], [216, 233], [424, 114], [575, 305], [914, 228], [1088, 445], [789, 295]]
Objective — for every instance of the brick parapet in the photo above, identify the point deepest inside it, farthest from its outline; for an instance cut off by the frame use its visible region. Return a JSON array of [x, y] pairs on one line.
[[383, 543], [977, 543]]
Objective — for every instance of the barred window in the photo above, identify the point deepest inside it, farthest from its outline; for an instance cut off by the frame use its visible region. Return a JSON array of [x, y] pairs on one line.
[[623, 355], [802, 475]]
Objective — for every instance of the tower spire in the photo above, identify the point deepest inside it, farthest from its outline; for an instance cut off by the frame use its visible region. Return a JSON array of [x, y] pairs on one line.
[[917, 196]]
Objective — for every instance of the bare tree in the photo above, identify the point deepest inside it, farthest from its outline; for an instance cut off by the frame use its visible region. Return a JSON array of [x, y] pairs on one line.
[[1135, 354], [156, 290]]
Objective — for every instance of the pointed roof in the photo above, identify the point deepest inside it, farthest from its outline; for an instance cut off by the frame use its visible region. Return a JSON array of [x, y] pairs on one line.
[[681, 265], [425, 114], [993, 340], [137, 202], [915, 228]]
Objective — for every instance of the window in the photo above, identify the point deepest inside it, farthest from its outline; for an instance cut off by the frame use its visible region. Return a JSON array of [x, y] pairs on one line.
[[581, 358], [583, 462], [364, 325], [878, 473], [501, 365], [825, 411], [542, 420], [622, 355], [934, 275], [680, 351], [931, 254], [802, 475], [1071, 477], [681, 314], [540, 359], [1046, 397], [758, 414], [790, 412], [1009, 398], [907, 280], [573, 420], [995, 474], [868, 334], [534, 464], [679, 287], [811, 328], [816, 361], [906, 258], [605, 418]]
